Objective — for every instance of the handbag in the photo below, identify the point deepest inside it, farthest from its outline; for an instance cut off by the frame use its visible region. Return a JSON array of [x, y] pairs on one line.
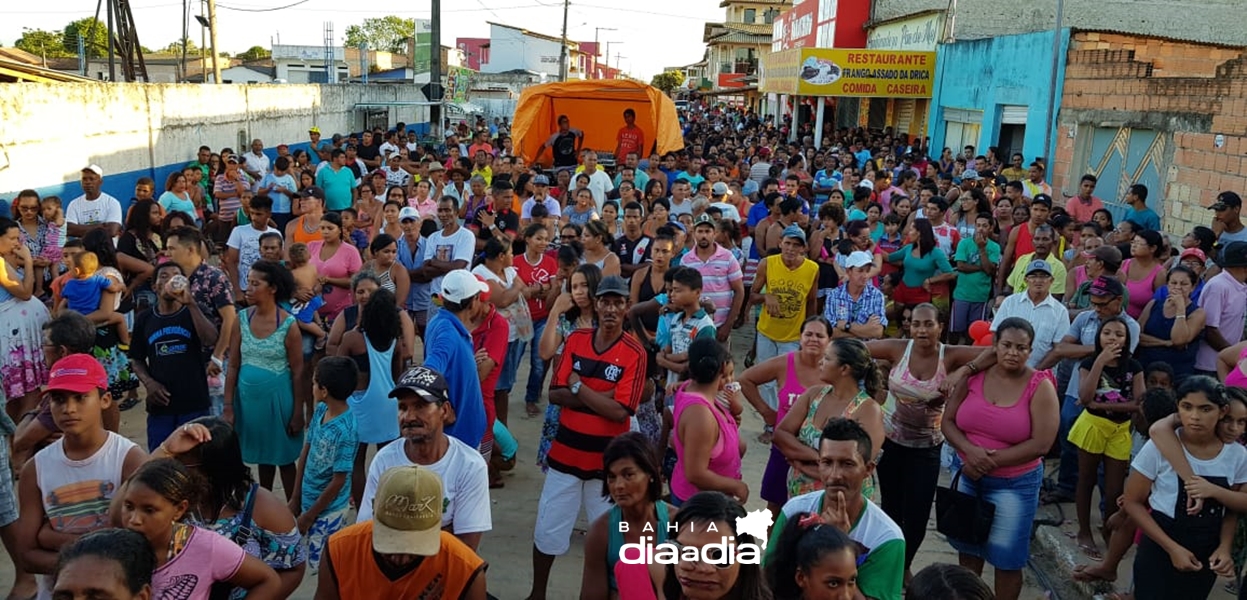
[[961, 516], [223, 590]]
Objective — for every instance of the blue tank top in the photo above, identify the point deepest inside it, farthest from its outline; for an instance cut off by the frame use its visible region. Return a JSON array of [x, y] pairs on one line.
[[615, 539]]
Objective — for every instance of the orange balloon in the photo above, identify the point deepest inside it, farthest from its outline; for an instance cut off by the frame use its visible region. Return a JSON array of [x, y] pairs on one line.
[[978, 329], [986, 340]]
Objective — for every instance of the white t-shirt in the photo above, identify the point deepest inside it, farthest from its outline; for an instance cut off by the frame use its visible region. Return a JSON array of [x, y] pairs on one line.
[[258, 164], [510, 275], [600, 184], [730, 213], [465, 484], [105, 209], [552, 206], [680, 208], [460, 245], [387, 149], [1229, 468], [246, 240]]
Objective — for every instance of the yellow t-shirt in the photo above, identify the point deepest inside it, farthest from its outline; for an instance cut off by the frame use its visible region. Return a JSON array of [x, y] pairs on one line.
[[792, 287], [1017, 277]]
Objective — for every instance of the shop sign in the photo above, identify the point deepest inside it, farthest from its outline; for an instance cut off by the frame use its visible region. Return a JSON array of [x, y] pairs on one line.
[[850, 72], [919, 34]]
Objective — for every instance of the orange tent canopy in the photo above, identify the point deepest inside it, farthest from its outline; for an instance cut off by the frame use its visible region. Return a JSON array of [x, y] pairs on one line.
[[595, 107]]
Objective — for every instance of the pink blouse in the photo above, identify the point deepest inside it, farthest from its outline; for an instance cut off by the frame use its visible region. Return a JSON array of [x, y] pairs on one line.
[[997, 427], [344, 263]]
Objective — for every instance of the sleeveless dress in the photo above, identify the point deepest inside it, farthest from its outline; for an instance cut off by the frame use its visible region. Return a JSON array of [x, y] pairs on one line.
[[724, 457], [376, 413], [264, 400], [631, 581], [908, 418], [23, 369], [809, 434], [1140, 291], [774, 479]]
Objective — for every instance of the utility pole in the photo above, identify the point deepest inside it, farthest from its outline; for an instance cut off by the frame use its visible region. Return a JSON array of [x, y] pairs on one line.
[[597, 50], [435, 65], [216, 65], [563, 50], [608, 58], [112, 58], [1048, 150]]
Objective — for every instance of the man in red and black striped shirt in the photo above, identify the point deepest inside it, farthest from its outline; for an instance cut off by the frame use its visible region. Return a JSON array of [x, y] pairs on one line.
[[598, 384]]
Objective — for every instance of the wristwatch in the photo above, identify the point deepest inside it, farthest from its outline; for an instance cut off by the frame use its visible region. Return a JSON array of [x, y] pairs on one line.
[[847, 326], [575, 387]]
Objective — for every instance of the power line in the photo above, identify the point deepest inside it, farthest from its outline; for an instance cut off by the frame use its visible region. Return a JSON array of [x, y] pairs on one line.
[[263, 10]]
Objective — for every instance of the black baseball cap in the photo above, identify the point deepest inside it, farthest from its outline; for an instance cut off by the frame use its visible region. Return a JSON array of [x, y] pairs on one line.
[[1234, 255], [313, 192], [613, 285], [422, 381], [1226, 200]]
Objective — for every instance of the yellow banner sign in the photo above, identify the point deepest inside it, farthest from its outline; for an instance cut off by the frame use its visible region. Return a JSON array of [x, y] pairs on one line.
[[850, 72]]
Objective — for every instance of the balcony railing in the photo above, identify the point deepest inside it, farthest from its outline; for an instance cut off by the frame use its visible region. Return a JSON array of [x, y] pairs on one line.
[[747, 67]]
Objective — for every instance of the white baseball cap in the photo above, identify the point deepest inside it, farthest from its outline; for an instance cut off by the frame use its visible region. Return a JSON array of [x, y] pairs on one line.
[[857, 260], [94, 168], [461, 284], [408, 212]]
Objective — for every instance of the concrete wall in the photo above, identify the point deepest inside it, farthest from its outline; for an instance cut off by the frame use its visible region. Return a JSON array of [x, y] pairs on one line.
[[1194, 96], [989, 74], [48, 133], [1203, 20]]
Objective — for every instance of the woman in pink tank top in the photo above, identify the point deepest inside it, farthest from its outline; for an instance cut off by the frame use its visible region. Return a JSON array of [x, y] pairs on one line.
[[1232, 365], [1001, 422], [707, 439], [794, 373], [1141, 272]]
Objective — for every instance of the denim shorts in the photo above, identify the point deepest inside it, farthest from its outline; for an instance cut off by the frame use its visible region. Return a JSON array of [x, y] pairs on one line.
[[1016, 500], [510, 365]]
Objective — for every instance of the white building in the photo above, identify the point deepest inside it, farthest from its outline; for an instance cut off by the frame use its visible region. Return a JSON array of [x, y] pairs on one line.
[[517, 49], [307, 64]]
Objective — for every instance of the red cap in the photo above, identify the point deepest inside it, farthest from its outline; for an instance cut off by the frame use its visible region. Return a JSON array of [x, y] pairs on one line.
[[78, 373], [484, 294], [1196, 252]]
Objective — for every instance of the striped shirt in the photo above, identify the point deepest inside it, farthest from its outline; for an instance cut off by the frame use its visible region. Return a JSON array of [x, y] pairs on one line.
[[583, 435], [717, 276]]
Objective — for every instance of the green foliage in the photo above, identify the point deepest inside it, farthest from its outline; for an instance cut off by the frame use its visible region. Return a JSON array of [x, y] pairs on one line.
[[255, 53], [175, 48], [387, 34], [44, 43], [668, 81], [95, 37]]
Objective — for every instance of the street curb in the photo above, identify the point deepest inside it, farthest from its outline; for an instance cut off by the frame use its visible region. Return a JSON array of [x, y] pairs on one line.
[[1054, 558]]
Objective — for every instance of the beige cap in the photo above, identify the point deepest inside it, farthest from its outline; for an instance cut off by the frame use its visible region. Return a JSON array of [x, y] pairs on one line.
[[407, 512]]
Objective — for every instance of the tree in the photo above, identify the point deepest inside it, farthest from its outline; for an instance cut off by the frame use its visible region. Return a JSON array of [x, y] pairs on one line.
[[254, 53], [49, 44], [95, 37], [668, 80], [387, 34], [175, 48]]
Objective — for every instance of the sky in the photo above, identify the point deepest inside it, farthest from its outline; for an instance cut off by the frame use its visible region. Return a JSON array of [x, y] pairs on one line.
[[650, 34]]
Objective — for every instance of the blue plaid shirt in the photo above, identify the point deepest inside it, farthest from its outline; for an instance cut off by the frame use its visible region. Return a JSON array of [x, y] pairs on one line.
[[841, 307]]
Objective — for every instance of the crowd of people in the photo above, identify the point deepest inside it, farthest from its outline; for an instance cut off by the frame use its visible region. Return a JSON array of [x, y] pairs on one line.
[[913, 308]]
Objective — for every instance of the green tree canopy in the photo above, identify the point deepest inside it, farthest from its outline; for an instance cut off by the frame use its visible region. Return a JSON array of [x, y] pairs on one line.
[[387, 34], [668, 81], [95, 38], [254, 53], [44, 43], [175, 48]]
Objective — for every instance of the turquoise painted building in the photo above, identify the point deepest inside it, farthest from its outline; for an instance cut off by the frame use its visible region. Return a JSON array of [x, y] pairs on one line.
[[995, 92]]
